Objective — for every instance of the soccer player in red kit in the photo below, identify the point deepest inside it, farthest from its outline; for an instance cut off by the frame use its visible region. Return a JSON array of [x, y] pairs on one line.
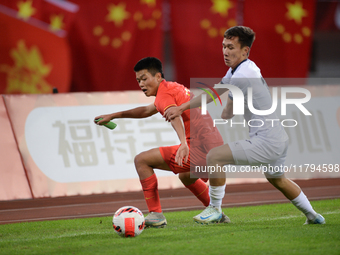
[[175, 158]]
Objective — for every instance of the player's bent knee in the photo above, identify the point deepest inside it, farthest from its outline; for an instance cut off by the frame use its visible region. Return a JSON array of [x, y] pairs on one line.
[[216, 156], [213, 157], [142, 167], [139, 160], [183, 176], [186, 178]]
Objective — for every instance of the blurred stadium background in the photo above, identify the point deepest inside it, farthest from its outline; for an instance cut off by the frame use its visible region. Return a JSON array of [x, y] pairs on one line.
[[85, 45]]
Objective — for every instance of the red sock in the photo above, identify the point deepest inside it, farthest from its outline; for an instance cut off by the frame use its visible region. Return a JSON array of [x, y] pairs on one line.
[[150, 190], [201, 191]]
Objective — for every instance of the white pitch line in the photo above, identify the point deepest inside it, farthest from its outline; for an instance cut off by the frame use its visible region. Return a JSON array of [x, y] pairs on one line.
[[259, 202], [58, 237], [61, 217], [109, 232], [166, 198], [275, 201], [289, 217], [164, 209]]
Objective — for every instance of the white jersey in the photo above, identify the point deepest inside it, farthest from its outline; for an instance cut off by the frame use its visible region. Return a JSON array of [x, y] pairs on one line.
[[246, 75]]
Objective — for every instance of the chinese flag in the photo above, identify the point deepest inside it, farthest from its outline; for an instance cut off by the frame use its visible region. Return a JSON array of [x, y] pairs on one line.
[[197, 32], [109, 37], [25, 9], [283, 41], [32, 58], [59, 14]]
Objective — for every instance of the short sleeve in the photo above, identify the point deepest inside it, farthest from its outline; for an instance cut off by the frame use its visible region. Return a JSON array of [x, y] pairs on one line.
[[164, 101]]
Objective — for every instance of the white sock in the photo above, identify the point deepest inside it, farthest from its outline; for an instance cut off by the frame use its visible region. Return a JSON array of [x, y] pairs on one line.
[[216, 194], [302, 203]]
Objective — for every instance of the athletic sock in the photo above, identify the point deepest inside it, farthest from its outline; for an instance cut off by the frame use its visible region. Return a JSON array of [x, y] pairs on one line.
[[302, 203], [150, 190], [216, 195], [201, 191]]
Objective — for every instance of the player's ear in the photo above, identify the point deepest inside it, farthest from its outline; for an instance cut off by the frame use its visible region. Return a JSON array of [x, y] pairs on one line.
[[159, 77], [245, 50]]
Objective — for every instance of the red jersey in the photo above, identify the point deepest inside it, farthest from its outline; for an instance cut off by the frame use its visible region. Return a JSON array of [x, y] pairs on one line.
[[174, 94], [201, 135]]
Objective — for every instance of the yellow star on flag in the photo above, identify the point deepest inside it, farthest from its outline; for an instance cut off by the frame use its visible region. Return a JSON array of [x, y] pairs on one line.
[[56, 22], [25, 9], [150, 3], [296, 12], [29, 71], [221, 6], [117, 13]]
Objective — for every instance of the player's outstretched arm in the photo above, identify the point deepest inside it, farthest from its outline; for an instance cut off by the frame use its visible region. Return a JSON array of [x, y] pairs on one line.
[[138, 112], [227, 112], [182, 153], [177, 111]]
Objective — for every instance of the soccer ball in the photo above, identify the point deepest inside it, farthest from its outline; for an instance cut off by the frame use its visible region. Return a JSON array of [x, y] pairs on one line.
[[128, 221]]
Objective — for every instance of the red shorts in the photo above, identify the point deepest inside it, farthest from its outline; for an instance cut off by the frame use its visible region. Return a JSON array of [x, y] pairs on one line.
[[197, 156]]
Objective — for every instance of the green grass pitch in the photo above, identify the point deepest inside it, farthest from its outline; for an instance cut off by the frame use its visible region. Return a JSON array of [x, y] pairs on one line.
[[266, 229]]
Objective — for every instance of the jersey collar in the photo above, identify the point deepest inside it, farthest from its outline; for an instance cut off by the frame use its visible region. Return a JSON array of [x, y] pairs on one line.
[[233, 70]]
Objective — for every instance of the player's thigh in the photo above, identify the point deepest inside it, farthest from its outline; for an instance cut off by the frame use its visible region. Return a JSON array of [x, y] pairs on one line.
[[255, 152], [241, 152], [270, 156], [275, 169], [221, 155], [152, 158]]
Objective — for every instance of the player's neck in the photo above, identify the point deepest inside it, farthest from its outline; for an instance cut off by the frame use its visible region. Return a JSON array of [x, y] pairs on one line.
[[159, 85], [234, 69]]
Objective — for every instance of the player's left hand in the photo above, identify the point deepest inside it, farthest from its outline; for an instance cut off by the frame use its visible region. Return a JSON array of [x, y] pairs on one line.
[[104, 119], [171, 113], [182, 154]]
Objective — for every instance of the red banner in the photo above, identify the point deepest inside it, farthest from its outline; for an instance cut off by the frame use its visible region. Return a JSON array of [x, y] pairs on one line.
[[108, 39], [284, 31], [59, 14], [25, 9], [197, 32], [33, 59]]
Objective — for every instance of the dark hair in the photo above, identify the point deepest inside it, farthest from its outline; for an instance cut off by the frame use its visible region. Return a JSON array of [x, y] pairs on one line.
[[246, 35], [153, 65]]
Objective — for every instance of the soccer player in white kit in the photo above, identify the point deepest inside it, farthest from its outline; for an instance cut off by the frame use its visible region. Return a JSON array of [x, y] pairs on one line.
[[268, 141]]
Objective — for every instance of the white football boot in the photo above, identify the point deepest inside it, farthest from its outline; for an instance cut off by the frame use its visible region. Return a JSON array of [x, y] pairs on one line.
[[210, 214], [319, 219]]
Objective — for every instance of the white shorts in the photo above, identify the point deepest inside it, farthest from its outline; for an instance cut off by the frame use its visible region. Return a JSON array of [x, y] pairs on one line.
[[257, 152]]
